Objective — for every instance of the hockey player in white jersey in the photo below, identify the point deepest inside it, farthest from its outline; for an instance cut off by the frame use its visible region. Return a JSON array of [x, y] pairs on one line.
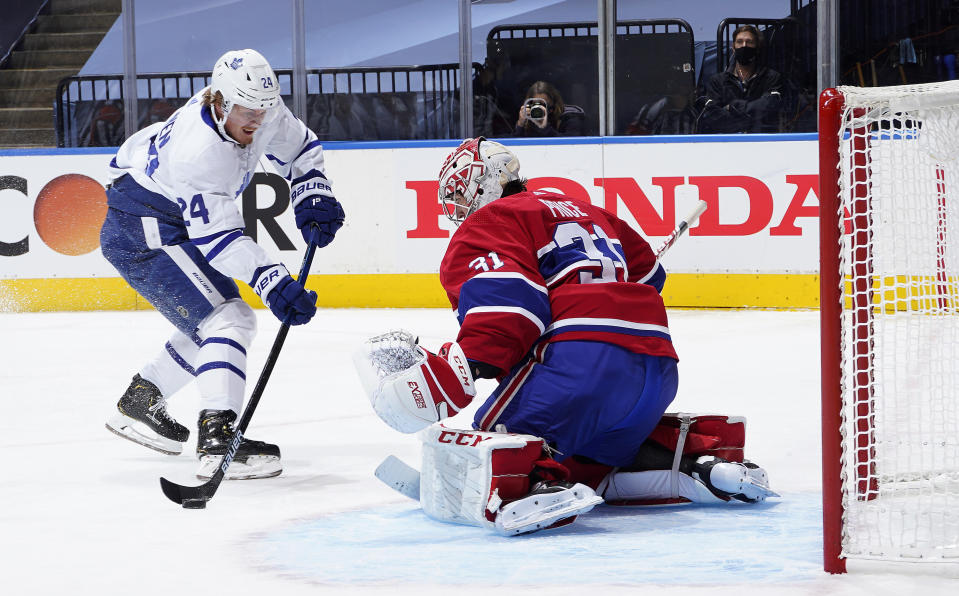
[[175, 234]]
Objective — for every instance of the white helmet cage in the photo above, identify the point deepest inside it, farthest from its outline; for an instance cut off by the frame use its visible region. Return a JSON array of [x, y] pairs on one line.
[[474, 175], [244, 77]]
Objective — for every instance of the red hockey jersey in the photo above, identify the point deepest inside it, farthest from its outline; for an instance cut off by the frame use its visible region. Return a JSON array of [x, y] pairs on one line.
[[539, 266]]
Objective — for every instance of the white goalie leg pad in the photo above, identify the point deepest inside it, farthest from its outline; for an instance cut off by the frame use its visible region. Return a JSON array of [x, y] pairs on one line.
[[467, 476], [719, 474], [717, 483], [655, 487]]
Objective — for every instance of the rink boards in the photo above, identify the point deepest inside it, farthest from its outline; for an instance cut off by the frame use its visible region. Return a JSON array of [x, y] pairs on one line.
[[755, 245]]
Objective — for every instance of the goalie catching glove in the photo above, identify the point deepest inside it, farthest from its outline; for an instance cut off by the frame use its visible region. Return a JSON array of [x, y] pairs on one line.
[[409, 387]]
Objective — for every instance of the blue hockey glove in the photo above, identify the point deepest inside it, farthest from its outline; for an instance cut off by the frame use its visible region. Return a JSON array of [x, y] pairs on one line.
[[314, 203], [288, 300]]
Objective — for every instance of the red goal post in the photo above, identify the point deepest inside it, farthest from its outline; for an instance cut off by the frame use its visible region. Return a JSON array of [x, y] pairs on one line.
[[889, 308]]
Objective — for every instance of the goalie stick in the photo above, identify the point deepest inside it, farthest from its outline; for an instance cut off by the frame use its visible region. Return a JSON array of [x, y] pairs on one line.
[[196, 497], [398, 475], [681, 228], [405, 479]]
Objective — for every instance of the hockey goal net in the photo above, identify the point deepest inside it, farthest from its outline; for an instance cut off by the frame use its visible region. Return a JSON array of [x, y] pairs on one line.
[[889, 233]]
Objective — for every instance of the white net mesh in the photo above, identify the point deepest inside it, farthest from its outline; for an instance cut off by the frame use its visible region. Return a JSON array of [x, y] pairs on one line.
[[899, 201], [393, 352]]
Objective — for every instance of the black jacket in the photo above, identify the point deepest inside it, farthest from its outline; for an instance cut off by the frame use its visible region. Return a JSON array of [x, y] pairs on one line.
[[571, 124], [731, 106]]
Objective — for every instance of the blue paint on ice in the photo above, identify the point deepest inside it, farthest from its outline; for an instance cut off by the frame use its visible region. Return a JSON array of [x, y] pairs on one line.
[[778, 541]]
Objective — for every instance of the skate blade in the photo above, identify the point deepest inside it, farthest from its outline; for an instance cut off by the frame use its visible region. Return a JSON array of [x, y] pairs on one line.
[[754, 489], [540, 512], [137, 432], [256, 466]]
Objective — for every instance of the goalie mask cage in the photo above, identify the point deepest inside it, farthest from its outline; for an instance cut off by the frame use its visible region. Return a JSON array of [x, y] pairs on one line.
[[889, 265]]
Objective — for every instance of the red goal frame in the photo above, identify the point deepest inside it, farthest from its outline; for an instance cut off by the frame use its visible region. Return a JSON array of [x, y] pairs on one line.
[[831, 113], [831, 107], [831, 229]]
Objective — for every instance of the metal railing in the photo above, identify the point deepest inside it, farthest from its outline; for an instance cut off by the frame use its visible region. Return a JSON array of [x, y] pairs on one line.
[[588, 29], [361, 103], [566, 55]]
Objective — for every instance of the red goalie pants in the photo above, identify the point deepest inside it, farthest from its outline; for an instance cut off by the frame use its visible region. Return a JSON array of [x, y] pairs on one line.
[[585, 398]]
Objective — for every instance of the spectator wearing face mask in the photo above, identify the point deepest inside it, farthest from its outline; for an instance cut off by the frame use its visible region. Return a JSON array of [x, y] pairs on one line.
[[747, 96]]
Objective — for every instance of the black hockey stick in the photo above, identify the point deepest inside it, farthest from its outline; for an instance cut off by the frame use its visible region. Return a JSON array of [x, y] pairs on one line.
[[195, 497]]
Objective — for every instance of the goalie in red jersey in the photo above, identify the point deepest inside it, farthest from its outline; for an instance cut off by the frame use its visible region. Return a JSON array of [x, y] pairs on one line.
[[559, 300]]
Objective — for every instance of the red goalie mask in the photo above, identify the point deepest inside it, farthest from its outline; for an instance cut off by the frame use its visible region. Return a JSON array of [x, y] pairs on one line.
[[473, 175]]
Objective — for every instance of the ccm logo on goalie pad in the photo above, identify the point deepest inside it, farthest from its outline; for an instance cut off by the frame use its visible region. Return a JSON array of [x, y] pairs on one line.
[[460, 438]]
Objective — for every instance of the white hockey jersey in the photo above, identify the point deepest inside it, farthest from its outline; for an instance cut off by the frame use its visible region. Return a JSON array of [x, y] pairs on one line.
[[192, 175]]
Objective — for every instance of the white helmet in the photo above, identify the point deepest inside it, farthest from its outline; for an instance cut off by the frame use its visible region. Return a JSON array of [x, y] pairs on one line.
[[244, 77], [474, 175]]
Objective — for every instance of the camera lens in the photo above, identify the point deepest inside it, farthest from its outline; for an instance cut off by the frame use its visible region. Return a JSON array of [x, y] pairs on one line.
[[537, 112]]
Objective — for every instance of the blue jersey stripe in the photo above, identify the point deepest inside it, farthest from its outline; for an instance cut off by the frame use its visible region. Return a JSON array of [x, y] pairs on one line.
[[221, 246], [592, 328], [179, 359], [489, 293], [272, 157], [218, 365], [314, 173], [657, 279], [312, 145], [201, 240], [225, 341]]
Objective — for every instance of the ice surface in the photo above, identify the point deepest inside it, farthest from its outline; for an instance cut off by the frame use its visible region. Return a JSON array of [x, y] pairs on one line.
[[81, 510]]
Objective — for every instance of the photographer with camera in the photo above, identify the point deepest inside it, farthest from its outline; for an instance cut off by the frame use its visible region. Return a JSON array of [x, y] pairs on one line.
[[545, 114]]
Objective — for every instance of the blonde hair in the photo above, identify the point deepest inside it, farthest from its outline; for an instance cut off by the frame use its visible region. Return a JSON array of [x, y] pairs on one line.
[[209, 98]]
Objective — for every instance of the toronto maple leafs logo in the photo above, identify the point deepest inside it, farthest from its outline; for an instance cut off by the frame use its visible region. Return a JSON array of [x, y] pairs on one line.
[[237, 63]]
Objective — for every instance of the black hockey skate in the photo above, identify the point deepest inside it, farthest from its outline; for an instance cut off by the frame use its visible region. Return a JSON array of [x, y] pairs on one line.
[[253, 459], [143, 419]]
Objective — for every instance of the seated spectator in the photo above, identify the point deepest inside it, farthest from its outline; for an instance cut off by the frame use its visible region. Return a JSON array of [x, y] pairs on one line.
[[489, 117], [544, 114], [747, 96]]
